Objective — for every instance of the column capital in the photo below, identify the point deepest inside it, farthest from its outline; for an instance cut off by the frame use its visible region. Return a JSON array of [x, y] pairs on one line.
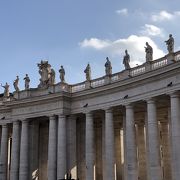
[[151, 101], [16, 122], [72, 116], [4, 125], [52, 117], [24, 120], [174, 94], [89, 113], [108, 110], [61, 115], [129, 106]]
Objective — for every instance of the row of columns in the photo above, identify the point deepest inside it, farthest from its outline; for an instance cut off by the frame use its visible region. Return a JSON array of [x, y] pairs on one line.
[[57, 146], [154, 170]]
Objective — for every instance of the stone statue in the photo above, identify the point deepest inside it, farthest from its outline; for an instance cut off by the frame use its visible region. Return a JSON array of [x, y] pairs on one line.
[[27, 81], [88, 72], [15, 83], [44, 71], [170, 44], [149, 52], [126, 60], [108, 67], [6, 89], [52, 77], [62, 74]]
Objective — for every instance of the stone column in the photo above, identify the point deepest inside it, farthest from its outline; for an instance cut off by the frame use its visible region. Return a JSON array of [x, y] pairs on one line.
[[71, 146], [52, 149], [142, 169], [154, 168], [89, 146], [109, 145], [118, 153], [103, 149], [175, 135], [131, 152], [124, 149], [61, 160], [166, 151], [24, 149], [4, 153], [15, 154]]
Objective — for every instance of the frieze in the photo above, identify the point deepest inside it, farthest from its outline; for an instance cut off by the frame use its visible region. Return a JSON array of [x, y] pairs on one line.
[[37, 108]]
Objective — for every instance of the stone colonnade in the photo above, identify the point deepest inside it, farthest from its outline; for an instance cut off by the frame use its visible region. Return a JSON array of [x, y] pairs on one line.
[[143, 153]]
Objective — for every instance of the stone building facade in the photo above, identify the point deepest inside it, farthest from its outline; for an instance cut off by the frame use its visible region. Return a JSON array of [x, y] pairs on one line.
[[125, 126]]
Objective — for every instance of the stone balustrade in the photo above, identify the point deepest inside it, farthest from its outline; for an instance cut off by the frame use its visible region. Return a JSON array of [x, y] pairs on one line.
[[98, 82]]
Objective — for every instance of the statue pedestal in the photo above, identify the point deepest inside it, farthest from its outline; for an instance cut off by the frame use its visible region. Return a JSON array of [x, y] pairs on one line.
[[125, 74], [107, 79], [16, 95], [5, 99], [87, 85], [21, 94], [51, 89], [148, 66], [61, 87], [170, 58]]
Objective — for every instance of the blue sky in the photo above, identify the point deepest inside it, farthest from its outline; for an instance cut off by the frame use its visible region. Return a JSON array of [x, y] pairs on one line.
[[73, 33]]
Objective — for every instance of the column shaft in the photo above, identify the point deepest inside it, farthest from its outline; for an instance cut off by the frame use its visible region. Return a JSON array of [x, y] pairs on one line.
[[61, 164], [165, 151], [142, 173], [71, 146], [15, 154], [118, 153], [52, 149], [23, 170], [89, 147], [109, 145], [4, 153], [131, 153], [154, 168], [175, 136], [124, 149]]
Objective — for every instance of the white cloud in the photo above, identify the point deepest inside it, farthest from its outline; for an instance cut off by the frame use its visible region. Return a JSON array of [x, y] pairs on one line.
[[165, 16], [135, 45], [122, 11], [94, 43], [151, 30]]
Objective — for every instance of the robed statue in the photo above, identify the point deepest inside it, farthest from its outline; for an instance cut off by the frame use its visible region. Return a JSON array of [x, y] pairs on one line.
[[126, 60], [149, 52], [170, 44], [26, 82], [6, 89], [15, 84], [45, 73], [52, 77], [87, 71], [62, 74], [108, 67]]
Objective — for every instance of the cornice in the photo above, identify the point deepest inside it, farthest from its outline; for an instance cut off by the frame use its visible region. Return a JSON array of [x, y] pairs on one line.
[[145, 78]]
